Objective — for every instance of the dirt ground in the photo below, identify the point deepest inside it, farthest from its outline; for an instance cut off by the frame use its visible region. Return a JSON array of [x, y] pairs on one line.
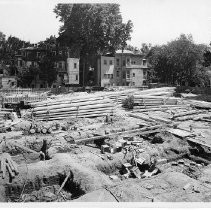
[[89, 173]]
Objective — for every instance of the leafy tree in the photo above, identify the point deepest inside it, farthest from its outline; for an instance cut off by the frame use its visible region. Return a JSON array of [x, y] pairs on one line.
[[26, 75], [93, 28], [47, 72], [179, 62]]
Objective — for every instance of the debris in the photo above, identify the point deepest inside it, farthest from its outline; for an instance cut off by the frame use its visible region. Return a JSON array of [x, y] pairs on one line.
[[114, 177], [9, 164], [187, 186]]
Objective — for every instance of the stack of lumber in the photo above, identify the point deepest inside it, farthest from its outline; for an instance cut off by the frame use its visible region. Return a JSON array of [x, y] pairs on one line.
[[8, 164], [192, 115], [155, 97], [72, 108], [200, 104], [145, 101], [14, 99]]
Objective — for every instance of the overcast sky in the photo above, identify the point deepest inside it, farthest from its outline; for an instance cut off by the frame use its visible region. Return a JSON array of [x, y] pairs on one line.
[[155, 21]]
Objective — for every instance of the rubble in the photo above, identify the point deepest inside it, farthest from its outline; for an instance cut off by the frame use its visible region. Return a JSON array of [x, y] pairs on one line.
[[68, 147]]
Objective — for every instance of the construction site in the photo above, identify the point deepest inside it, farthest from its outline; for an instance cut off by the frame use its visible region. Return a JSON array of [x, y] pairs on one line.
[[116, 145]]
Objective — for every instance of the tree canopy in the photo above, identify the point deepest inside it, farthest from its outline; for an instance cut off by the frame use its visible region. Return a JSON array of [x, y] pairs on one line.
[[179, 61], [93, 28]]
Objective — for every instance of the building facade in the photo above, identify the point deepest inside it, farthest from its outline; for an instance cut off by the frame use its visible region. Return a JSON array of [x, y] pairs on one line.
[[106, 71], [124, 69], [130, 69], [65, 69], [73, 71]]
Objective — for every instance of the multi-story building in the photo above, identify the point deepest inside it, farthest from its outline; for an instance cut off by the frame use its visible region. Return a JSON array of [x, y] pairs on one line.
[[105, 66], [130, 69], [30, 56], [124, 69], [73, 71]]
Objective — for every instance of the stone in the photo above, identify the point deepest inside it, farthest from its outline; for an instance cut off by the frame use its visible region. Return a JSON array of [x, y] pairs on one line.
[[114, 177], [105, 148], [122, 142]]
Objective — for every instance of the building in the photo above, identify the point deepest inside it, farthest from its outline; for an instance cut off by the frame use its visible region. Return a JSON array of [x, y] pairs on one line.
[[73, 71], [67, 69], [8, 82], [29, 57], [105, 66], [130, 69]]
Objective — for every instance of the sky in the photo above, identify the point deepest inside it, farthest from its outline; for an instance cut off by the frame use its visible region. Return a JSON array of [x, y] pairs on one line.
[[155, 21]]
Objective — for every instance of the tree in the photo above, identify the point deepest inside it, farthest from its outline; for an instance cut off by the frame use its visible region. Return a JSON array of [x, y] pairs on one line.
[[26, 75], [179, 62], [93, 28], [47, 72]]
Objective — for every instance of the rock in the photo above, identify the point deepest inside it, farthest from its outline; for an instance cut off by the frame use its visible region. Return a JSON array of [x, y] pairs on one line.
[[49, 196]]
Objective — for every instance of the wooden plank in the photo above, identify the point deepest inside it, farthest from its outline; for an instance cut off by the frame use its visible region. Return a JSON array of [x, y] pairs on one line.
[[180, 133], [142, 131]]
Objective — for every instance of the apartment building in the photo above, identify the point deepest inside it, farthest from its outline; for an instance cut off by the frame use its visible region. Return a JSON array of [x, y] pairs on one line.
[[130, 69], [64, 66], [73, 71], [105, 64]]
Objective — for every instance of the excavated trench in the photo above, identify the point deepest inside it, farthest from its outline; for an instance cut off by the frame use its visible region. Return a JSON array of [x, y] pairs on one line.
[[40, 180]]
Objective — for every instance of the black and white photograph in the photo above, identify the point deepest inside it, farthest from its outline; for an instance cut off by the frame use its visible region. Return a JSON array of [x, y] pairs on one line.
[[105, 103]]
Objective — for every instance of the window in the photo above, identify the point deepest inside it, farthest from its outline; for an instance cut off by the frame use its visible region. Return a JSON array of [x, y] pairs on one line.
[[38, 54], [76, 77], [105, 62], [54, 53], [133, 83], [144, 72], [108, 76], [123, 63], [110, 62], [105, 75], [144, 62], [75, 65], [117, 73], [60, 52], [128, 61], [134, 74], [128, 74], [112, 76], [117, 61]]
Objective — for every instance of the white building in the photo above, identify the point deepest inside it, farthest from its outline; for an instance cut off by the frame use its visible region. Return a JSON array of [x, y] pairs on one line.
[[106, 71], [73, 70]]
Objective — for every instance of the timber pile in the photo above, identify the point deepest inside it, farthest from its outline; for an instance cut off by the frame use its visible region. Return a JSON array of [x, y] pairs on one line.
[[14, 99], [153, 98], [200, 104], [8, 164], [73, 108]]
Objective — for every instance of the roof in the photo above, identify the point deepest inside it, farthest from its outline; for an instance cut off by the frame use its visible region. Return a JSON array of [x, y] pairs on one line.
[[137, 67], [32, 48], [124, 52]]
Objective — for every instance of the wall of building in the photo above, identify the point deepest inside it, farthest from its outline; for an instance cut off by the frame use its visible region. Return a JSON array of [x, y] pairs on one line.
[[73, 70], [107, 71], [8, 82], [136, 77]]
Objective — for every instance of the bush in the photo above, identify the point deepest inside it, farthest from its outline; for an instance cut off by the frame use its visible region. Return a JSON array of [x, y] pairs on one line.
[[128, 102]]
